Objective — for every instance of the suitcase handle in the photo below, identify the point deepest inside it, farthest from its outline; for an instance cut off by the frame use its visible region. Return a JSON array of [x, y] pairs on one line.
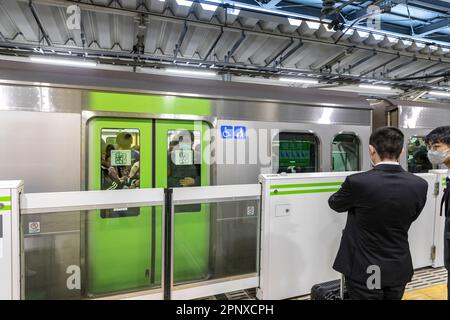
[[341, 290]]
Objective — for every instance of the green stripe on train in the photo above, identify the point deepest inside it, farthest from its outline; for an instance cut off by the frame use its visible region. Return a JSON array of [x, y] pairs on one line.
[[281, 193], [6, 208], [305, 185], [152, 104], [7, 198]]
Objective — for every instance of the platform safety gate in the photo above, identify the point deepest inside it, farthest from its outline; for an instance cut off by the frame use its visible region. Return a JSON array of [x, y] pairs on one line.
[[298, 234]]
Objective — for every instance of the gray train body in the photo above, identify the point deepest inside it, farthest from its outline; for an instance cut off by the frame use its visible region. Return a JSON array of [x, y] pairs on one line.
[[44, 133]]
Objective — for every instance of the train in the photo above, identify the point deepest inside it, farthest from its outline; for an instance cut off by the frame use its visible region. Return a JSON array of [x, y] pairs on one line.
[[156, 131]]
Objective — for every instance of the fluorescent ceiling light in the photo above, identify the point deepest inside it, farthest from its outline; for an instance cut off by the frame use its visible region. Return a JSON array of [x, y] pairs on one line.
[[295, 22], [433, 47], [349, 31], [191, 72], [273, 11], [63, 62], [184, 3], [445, 49], [439, 93], [208, 7], [378, 37], [372, 87], [297, 80], [392, 39], [420, 45], [313, 25], [407, 42], [362, 34]]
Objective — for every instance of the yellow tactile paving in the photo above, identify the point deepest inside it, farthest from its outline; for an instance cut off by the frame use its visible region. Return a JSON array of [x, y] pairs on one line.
[[437, 292]]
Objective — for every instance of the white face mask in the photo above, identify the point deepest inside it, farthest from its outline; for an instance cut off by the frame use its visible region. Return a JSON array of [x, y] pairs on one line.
[[184, 146], [438, 157]]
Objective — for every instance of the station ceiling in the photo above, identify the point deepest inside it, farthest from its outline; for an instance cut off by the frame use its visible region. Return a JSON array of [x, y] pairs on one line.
[[405, 44]]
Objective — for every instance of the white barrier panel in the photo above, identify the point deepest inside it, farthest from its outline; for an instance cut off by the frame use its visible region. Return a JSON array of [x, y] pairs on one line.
[[9, 240], [301, 234], [421, 233], [439, 221]]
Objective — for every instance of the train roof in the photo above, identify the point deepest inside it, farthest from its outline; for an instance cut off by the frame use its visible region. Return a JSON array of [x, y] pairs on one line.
[[108, 80]]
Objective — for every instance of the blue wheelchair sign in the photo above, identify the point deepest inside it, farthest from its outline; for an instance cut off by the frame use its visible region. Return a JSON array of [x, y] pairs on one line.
[[227, 132]]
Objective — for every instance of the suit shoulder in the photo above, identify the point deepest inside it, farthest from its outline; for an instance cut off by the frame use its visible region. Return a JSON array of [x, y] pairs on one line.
[[360, 175], [417, 180]]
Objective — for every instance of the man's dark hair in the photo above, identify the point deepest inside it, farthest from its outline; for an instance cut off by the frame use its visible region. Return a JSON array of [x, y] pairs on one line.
[[388, 141], [439, 135]]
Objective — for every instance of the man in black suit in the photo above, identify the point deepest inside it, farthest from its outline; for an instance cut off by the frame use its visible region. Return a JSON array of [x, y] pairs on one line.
[[438, 142], [382, 203]]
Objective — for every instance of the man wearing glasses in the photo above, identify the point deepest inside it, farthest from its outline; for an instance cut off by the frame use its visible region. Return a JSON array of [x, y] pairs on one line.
[[438, 143]]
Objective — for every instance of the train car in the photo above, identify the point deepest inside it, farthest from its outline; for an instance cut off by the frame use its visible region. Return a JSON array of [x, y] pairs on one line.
[[69, 138], [416, 120]]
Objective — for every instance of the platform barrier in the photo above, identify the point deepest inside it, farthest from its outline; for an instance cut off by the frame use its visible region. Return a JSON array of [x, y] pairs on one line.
[[129, 244], [301, 234], [278, 236]]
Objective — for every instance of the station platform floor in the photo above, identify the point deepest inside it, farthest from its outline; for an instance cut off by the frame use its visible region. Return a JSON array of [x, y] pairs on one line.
[[427, 284]]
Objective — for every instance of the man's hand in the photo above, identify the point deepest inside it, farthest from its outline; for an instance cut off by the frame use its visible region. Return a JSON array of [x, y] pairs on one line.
[[187, 182]]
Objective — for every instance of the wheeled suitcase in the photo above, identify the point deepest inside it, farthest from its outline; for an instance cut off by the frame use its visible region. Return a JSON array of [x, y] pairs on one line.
[[330, 290]]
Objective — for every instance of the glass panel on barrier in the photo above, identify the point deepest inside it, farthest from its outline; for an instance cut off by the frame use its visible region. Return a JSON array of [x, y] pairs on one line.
[[57, 264], [417, 155], [345, 152], [229, 248]]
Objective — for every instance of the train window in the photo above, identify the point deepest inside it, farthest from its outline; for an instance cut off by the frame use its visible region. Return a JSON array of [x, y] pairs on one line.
[[297, 152], [184, 163], [417, 155], [345, 153], [120, 166]]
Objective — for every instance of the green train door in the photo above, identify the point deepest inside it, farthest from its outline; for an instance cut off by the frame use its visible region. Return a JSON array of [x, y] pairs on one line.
[[179, 163], [121, 251], [123, 246]]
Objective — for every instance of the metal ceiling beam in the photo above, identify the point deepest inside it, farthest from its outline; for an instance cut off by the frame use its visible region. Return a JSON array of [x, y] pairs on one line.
[[360, 12], [290, 53], [39, 23], [240, 29], [180, 40], [235, 47], [401, 65], [214, 44], [433, 27], [421, 70], [238, 69], [270, 61], [330, 62], [362, 74], [431, 4], [359, 62]]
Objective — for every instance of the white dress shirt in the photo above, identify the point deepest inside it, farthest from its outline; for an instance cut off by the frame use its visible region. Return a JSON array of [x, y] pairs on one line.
[[390, 162]]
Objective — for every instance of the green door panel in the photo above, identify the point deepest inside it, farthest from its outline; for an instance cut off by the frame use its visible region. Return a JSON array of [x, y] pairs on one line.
[[192, 226], [119, 249]]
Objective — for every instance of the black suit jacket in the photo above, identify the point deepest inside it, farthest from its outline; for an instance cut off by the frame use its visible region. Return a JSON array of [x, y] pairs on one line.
[[381, 203]]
